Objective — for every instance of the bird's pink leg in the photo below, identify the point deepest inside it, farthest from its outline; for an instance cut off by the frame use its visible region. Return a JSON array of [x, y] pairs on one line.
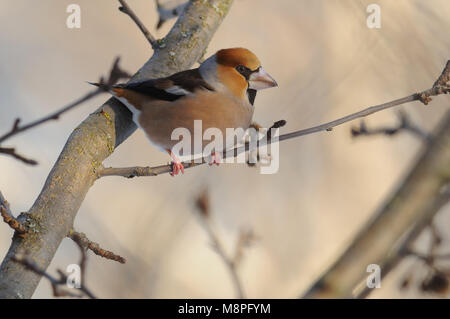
[[216, 158], [177, 166]]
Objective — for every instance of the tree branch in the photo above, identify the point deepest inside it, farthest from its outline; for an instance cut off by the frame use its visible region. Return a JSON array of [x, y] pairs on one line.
[[59, 283], [408, 210], [125, 8], [12, 152], [94, 140], [82, 239], [16, 129], [9, 218], [231, 263], [404, 124]]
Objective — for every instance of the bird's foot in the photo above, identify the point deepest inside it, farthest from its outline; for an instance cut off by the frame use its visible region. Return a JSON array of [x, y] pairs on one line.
[[177, 167], [216, 158]]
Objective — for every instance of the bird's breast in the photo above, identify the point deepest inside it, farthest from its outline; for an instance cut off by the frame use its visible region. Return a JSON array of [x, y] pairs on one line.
[[206, 116]]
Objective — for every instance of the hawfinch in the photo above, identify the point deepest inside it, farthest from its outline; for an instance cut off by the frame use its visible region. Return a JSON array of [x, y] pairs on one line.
[[220, 93]]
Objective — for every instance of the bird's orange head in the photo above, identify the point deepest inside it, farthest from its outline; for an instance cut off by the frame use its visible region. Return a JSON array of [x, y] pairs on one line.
[[239, 69]]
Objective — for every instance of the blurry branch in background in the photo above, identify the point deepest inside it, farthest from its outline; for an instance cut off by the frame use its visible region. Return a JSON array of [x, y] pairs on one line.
[[115, 74], [21, 229], [428, 209], [169, 9], [404, 125], [82, 240], [410, 208], [439, 87], [12, 152], [436, 279], [125, 8], [410, 190], [245, 239], [398, 222], [94, 140], [58, 283]]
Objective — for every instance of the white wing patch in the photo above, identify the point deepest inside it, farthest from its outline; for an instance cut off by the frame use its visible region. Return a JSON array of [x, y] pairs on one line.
[[177, 90], [130, 106], [136, 114]]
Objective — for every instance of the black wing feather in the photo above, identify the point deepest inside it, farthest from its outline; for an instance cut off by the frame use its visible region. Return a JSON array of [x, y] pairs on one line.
[[189, 80], [148, 88]]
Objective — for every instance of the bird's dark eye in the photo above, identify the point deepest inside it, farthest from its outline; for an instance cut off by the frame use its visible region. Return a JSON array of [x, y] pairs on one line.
[[244, 71], [240, 68]]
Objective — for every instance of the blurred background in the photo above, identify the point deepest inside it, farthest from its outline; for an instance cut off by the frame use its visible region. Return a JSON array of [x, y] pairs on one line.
[[327, 62]]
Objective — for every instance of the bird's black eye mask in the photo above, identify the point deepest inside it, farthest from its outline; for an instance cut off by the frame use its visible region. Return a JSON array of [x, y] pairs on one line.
[[246, 72]]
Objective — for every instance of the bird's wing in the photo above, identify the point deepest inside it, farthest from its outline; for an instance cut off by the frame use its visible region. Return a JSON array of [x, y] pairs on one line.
[[170, 88]]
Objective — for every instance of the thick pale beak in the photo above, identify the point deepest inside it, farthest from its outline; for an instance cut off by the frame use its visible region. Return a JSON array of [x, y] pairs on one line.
[[261, 80]]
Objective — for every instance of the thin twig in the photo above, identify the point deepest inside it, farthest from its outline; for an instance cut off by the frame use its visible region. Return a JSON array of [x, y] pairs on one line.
[[428, 258], [404, 124], [246, 239], [203, 206], [16, 129], [83, 259], [115, 74], [125, 8], [55, 282], [436, 280], [58, 283], [82, 239], [12, 152], [8, 217]]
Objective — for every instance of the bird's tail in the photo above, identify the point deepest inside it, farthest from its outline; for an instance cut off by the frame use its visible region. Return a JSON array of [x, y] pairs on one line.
[[93, 83], [111, 89], [117, 92]]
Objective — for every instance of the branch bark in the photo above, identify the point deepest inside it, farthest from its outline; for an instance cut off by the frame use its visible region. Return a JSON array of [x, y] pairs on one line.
[[421, 194], [92, 142]]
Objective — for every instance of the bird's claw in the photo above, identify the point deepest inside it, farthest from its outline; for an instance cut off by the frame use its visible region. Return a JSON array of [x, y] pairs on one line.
[[216, 158], [177, 167]]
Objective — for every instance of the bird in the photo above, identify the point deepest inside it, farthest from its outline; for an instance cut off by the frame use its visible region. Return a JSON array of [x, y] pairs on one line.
[[221, 93]]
